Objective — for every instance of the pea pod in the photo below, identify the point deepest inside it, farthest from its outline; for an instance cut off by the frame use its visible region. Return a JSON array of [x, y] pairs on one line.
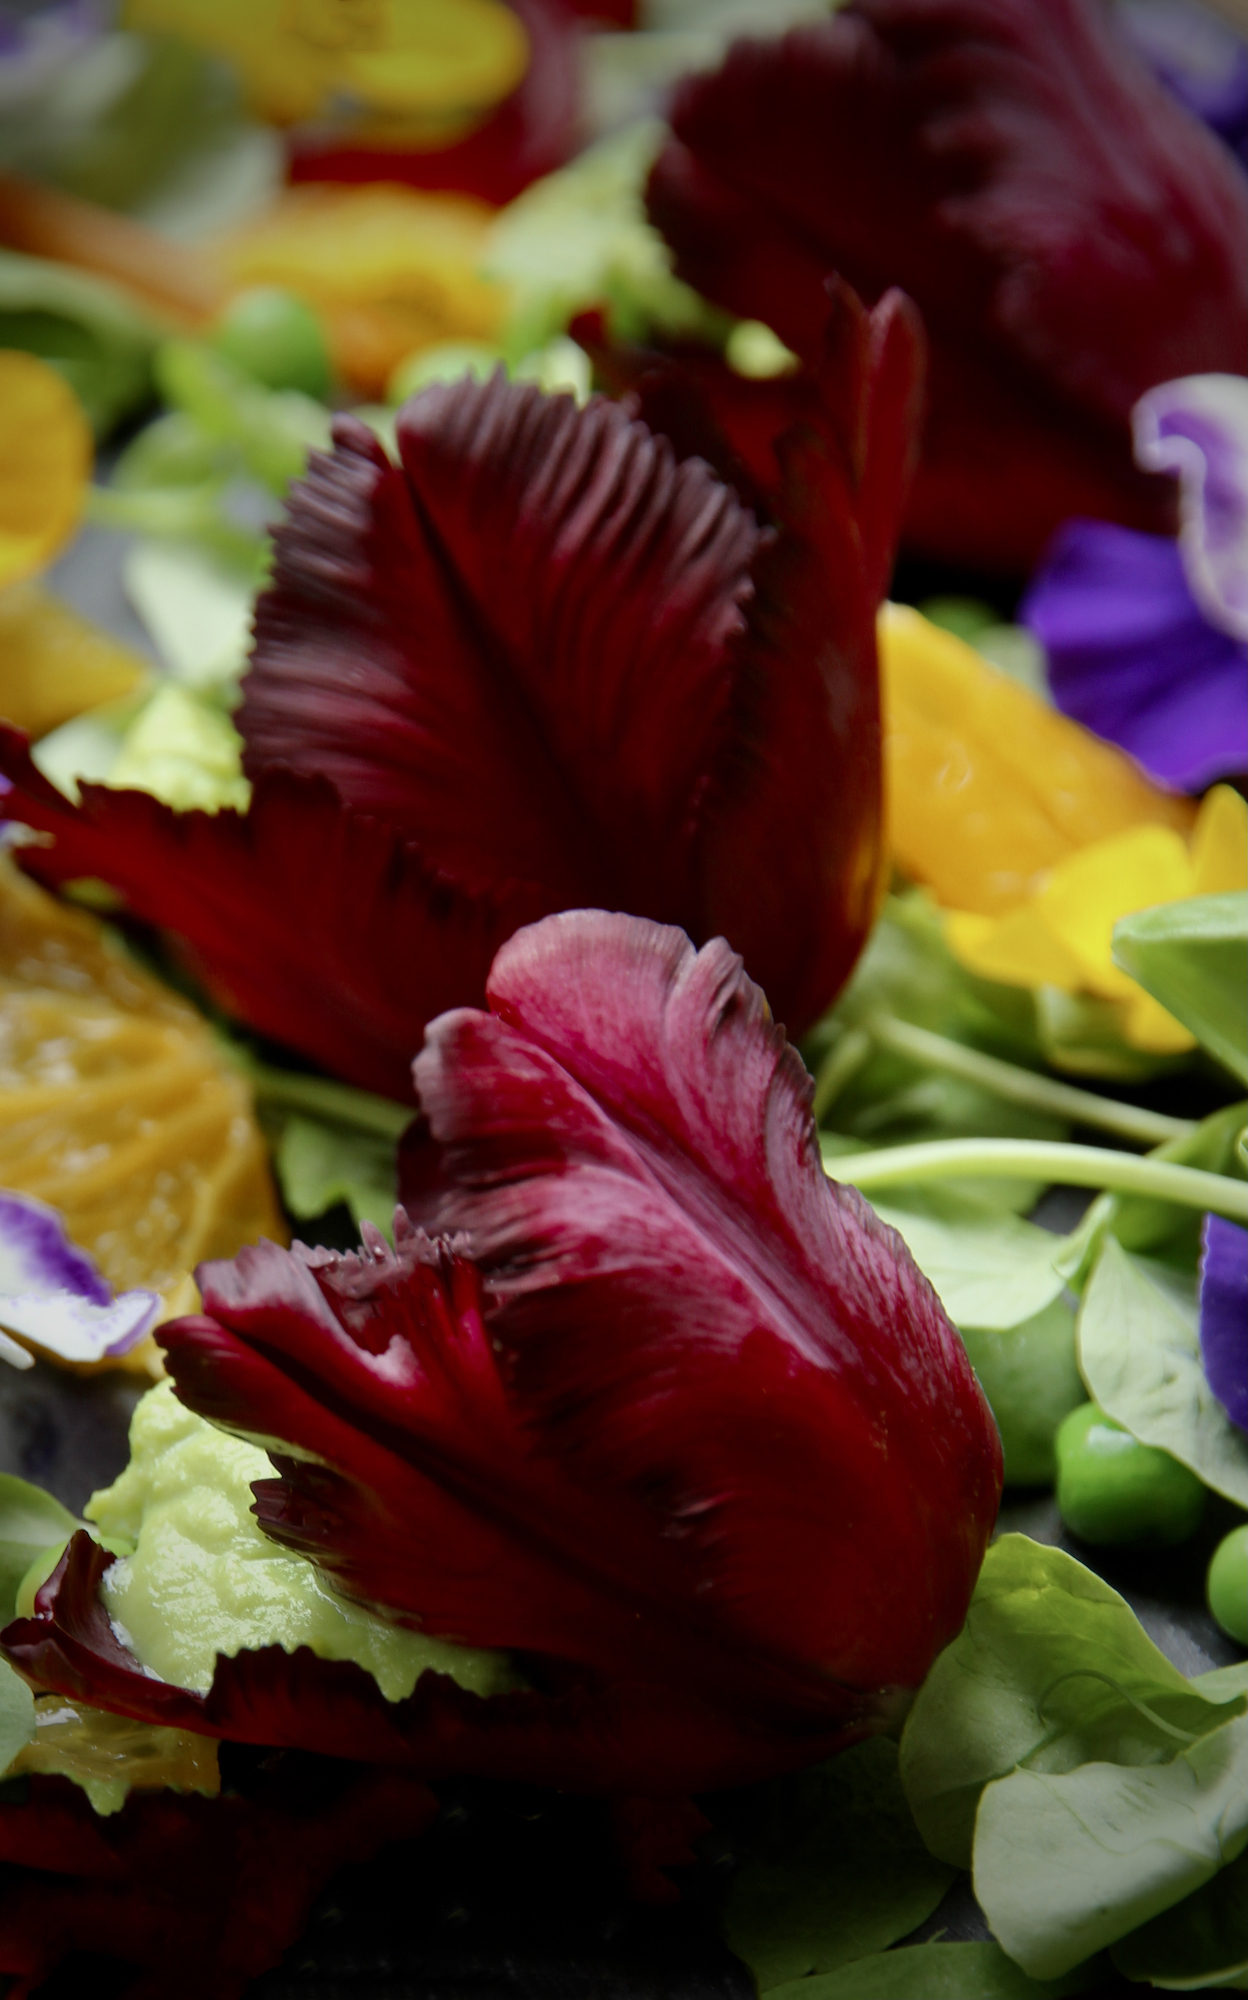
[[1113, 1489]]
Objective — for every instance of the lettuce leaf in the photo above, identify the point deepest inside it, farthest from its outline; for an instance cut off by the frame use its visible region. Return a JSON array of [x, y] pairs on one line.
[[936, 1972], [1202, 1941], [31, 1521], [1193, 957]]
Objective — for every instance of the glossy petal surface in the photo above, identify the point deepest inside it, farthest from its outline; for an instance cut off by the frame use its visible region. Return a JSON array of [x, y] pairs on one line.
[[1069, 233], [1224, 1315]]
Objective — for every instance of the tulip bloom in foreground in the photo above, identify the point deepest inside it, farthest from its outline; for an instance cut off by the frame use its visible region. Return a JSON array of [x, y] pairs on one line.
[[691, 1435], [1071, 235], [539, 666]]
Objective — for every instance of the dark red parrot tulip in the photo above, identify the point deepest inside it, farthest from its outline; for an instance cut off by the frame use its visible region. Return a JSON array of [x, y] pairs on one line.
[[1071, 235], [690, 1435], [539, 665]]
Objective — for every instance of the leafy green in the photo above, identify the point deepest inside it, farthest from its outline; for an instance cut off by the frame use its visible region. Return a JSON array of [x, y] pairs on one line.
[[1160, 1228], [1139, 1353], [320, 1164], [84, 328], [184, 750], [1068, 1862], [17, 1715], [272, 429], [197, 608], [990, 1268], [1202, 1941], [1193, 957], [30, 1522], [936, 1972], [1031, 1379], [1052, 1670], [839, 1870]]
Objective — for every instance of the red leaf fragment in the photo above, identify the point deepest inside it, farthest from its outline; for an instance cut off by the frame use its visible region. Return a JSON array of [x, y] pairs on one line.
[[1071, 235]]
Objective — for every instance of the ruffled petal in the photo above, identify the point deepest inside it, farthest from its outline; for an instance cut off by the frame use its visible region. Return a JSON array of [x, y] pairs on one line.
[[1070, 234], [53, 1296], [1198, 429]]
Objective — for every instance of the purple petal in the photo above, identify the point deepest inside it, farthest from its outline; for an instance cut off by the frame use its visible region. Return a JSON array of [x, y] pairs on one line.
[[1132, 657], [52, 1294], [1197, 428], [1198, 59], [1224, 1315]]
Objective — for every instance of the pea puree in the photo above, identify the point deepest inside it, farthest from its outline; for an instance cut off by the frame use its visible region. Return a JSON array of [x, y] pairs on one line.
[[198, 1577]]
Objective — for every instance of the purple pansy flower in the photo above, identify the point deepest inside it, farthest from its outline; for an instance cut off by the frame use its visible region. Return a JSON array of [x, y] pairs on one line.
[[1199, 59], [1145, 636], [1224, 1315], [52, 1295]]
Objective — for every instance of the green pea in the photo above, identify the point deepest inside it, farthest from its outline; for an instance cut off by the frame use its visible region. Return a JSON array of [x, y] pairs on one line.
[[1111, 1488], [1227, 1587], [277, 339]]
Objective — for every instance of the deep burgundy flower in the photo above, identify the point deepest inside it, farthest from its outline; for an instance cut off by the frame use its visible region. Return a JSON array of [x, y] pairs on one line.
[[696, 1440], [539, 665], [1071, 235], [1224, 1315]]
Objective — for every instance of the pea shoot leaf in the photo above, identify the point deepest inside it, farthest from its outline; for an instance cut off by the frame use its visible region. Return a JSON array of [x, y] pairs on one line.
[[30, 1522], [990, 1268], [937, 1972], [320, 1164], [1030, 1377], [17, 1715], [1139, 1353], [1201, 1941], [1193, 957], [839, 1869]]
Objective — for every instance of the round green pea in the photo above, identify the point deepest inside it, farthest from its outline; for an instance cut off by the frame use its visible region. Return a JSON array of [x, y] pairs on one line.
[[276, 338], [1227, 1587], [1113, 1489]]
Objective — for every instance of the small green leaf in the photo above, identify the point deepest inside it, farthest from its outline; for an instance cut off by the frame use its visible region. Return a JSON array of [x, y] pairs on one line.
[[1052, 1669], [990, 1268], [30, 1521], [840, 1869], [320, 1164], [1202, 1941], [1031, 1379], [1139, 1353], [938, 1972], [1193, 957], [17, 1715]]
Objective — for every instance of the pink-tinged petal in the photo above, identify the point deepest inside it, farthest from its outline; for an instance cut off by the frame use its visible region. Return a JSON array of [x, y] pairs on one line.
[[1070, 234], [693, 1318], [320, 927], [1198, 430], [531, 133], [619, 1737], [187, 1895]]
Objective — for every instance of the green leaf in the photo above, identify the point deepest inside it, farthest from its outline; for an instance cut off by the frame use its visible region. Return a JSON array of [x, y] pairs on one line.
[[320, 1164], [1051, 1669], [84, 328], [990, 1268], [17, 1715], [1202, 1941], [273, 429], [840, 1869], [1068, 1862], [937, 1972], [1031, 1379], [1139, 1353], [197, 608], [1160, 1228], [1193, 957], [30, 1521]]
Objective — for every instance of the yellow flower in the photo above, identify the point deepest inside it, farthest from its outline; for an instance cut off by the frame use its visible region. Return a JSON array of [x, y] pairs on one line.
[[1033, 834], [53, 664]]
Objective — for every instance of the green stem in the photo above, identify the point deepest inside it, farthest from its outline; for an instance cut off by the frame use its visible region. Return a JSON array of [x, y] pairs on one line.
[[1043, 1160], [339, 1103], [842, 1061], [1023, 1086]]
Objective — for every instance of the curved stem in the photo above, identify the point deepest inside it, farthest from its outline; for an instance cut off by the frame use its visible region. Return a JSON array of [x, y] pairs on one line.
[[1024, 1086], [320, 1097], [1043, 1160]]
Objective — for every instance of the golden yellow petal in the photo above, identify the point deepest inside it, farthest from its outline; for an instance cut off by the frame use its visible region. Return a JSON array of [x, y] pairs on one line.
[[54, 664], [1019, 949], [1084, 898], [1220, 844], [116, 1107], [45, 462], [987, 787]]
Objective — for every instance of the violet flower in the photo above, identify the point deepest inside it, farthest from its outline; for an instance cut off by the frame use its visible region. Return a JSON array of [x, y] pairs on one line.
[[53, 1296], [1224, 1315], [1198, 59], [1146, 636]]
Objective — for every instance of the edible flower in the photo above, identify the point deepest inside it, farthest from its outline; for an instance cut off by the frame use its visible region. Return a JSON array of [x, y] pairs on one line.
[[540, 1431], [1071, 235], [53, 1296], [52, 662], [1224, 1315], [537, 665], [1146, 638]]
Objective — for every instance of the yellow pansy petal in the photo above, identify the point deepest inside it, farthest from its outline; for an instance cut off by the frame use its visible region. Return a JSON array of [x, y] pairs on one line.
[[1084, 898], [988, 788], [1220, 844], [117, 1108], [45, 463], [1147, 1026], [1018, 948], [54, 664]]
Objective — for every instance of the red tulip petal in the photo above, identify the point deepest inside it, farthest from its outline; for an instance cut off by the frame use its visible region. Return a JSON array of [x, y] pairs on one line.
[[695, 1318], [620, 1738], [531, 133], [196, 1896], [319, 926], [1071, 235]]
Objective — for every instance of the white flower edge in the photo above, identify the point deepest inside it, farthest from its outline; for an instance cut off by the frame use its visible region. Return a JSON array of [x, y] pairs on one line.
[[1197, 429], [52, 1295]]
